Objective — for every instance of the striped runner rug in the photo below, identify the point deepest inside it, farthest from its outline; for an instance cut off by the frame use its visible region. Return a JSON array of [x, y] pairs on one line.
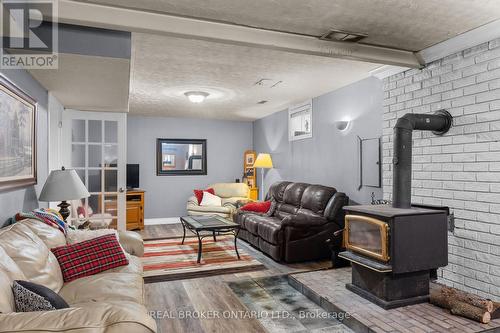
[[168, 259]]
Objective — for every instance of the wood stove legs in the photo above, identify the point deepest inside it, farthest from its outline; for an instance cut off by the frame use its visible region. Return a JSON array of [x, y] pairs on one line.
[[390, 290]]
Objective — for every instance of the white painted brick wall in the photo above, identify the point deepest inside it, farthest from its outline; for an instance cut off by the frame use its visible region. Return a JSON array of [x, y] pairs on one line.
[[462, 168]]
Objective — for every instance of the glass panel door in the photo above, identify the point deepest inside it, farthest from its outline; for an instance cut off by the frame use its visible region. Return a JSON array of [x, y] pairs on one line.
[[95, 148]]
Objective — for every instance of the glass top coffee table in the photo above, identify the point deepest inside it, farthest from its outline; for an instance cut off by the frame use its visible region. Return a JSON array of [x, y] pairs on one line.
[[205, 226]]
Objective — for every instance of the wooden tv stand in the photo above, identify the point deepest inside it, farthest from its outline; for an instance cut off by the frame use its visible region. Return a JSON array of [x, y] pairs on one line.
[[134, 209]]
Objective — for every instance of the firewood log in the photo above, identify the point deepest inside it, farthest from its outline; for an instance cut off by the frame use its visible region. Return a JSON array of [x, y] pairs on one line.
[[463, 296], [495, 314], [437, 298], [461, 303], [470, 311]]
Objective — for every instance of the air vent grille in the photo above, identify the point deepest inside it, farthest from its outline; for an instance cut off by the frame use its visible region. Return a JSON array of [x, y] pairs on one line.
[[343, 36]]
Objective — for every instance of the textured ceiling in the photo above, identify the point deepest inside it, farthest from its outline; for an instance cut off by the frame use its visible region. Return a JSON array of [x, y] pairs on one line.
[[405, 24], [88, 83], [163, 68]]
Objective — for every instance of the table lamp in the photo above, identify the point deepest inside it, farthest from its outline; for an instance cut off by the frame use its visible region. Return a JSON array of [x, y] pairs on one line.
[[63, 185], [263, 161]]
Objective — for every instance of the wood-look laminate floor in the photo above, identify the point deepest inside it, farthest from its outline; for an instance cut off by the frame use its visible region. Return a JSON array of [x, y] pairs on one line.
[[178, 305]]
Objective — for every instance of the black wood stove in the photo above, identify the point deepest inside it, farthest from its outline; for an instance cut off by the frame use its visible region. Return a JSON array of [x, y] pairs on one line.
[[394, 249]]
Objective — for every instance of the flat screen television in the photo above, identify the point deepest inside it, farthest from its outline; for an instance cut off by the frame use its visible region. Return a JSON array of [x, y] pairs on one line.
[[132, 175]]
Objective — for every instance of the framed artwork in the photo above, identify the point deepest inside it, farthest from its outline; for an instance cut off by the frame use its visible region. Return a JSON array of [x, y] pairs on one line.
[[250, 159], [181, 157], [251, 183], [17, 137], [300, 121], [250, 172]]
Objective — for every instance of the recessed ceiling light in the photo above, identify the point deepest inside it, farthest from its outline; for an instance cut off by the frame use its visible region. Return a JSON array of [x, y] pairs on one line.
[[196, 96]]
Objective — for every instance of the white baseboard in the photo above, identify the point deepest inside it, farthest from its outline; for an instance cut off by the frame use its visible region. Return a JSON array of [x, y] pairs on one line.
[[162, 220]]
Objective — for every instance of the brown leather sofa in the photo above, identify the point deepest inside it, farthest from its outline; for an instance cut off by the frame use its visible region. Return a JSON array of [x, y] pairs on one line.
[[305, 216]]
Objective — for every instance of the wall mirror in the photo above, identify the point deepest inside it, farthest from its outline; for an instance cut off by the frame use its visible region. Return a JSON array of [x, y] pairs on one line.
[[369, 162], [181, 157]]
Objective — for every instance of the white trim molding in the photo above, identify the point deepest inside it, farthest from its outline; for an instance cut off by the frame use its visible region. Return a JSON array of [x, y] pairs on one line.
[[387, 70], [163, 220], [482, 34]]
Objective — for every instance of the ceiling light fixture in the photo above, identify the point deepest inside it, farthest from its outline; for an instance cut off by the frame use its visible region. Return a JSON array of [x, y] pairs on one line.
[[196, 96]]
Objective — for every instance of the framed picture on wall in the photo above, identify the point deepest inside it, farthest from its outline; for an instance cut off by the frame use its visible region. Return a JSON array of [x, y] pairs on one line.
[[300, 121], [17, 137]]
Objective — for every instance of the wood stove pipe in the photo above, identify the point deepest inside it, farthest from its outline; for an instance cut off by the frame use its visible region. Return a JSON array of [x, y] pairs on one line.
[[439, 123]]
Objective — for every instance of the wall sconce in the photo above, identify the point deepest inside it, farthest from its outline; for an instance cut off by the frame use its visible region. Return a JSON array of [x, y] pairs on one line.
[[342, 125]]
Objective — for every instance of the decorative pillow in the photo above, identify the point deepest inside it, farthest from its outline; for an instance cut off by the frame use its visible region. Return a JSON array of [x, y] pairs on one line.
[[257, 207], [89, 257], [77, 236], [199, 194], [210, 200], [31, 297]]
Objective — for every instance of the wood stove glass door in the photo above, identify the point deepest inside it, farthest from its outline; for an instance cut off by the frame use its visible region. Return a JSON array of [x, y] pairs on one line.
[[366, 235]]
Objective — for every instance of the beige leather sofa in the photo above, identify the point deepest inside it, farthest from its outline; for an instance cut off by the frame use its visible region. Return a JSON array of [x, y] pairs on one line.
[[230, 194], [109, 302]]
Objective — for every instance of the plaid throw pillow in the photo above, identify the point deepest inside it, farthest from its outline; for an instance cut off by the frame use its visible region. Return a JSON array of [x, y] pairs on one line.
[[89, 257]]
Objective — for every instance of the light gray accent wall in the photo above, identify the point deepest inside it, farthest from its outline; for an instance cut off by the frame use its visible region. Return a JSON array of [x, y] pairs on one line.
[[167, 196], [25, 199], [330, 157]]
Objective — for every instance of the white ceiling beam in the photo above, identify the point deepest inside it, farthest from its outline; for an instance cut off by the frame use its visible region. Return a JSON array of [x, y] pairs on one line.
[[482, 34], [387, 70], [125, 19]]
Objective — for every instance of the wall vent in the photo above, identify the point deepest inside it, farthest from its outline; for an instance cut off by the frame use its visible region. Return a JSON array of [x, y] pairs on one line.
[[343, 36]]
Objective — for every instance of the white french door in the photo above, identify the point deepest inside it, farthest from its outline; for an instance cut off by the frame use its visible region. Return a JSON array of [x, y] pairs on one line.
[[94, 144]]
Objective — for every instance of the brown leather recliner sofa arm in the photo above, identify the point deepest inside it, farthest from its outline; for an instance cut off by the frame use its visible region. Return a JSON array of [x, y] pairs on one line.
[[334, 209]]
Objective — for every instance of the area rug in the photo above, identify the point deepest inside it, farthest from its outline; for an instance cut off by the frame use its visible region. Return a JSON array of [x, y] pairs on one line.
[[168, 259]]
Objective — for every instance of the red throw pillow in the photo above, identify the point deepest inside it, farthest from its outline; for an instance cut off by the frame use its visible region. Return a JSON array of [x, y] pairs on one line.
[[258, 207], [89, 257], [199, 194]]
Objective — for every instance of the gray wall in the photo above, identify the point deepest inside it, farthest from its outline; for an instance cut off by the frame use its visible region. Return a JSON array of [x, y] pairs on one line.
[[166, 196], [25, 199], [330, 157]]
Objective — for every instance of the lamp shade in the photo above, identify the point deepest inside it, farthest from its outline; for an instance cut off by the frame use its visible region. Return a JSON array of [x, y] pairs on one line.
[[263, 161], [63, 185]]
